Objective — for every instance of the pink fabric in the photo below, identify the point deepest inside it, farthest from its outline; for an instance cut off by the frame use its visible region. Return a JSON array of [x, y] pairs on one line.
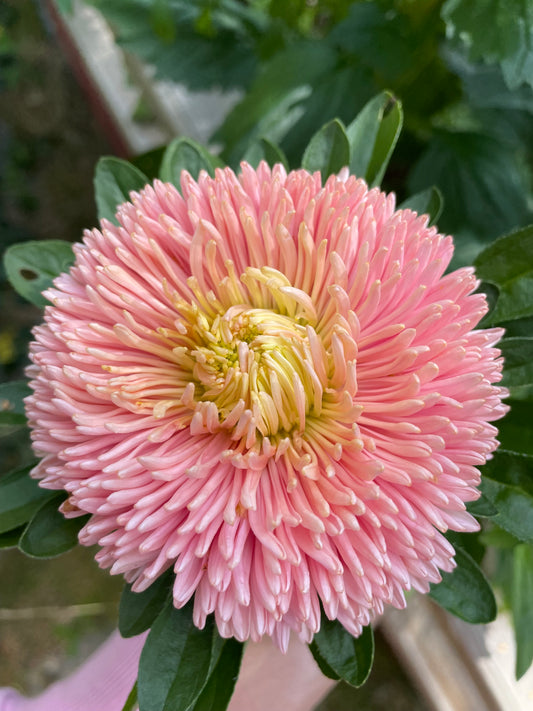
[[102, 683]]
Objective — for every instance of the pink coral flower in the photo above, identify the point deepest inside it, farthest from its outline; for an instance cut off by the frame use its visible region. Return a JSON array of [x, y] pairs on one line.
[[272, 387]]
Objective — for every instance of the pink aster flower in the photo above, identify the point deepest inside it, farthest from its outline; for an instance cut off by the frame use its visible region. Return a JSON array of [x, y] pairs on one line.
[[270, 386]]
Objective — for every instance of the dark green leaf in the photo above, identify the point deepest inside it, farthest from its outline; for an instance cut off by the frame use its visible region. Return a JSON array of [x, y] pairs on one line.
[[182, 46], [114, 179], [49, 533], [322, 664], [484, 189], [373, 135], [277, 99], [515, 428], [521, 606], [10, 539], [340, 94], [514, 508], [465, 592], [186, 154], [219, 688], [518, 355], [12, 395], [263, 149], [137, 611], [328, 150], [348, 658], [20, 497], [469, 543], [380, 38], [149, 163], [131, 701], [427, 202], [175, 662], [496, 31], [496, 537], [508, 264], [482, 508], [485, 86], [31, 266], [507, 482]]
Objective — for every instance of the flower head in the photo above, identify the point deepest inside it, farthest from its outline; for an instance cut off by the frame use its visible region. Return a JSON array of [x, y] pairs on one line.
[[270, 386]]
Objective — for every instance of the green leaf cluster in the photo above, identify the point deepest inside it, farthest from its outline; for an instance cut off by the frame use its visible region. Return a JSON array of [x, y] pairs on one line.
[[182, 668], [497, 31], [462, 70]]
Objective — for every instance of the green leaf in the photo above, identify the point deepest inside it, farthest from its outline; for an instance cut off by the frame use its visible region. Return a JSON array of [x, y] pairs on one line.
[[515, 428], [31, 266], [20, 497], [346, 657], [427, 202], [176, 661], [482, 508], [263, 149], [114, 179], [49, 533], [328, 150], [508, 264], [507, 482], [522, 609], [174, 42], [496, 31], [483, 185], [465, 592], [518, 355], [277, 99], [12, 395], [186, 154], [137, 611], [219, 688], [10, 539], [372, 135], [131, 701]]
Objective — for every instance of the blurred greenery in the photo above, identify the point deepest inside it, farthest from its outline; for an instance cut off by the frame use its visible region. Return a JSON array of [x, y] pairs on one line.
[[461, 69]]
